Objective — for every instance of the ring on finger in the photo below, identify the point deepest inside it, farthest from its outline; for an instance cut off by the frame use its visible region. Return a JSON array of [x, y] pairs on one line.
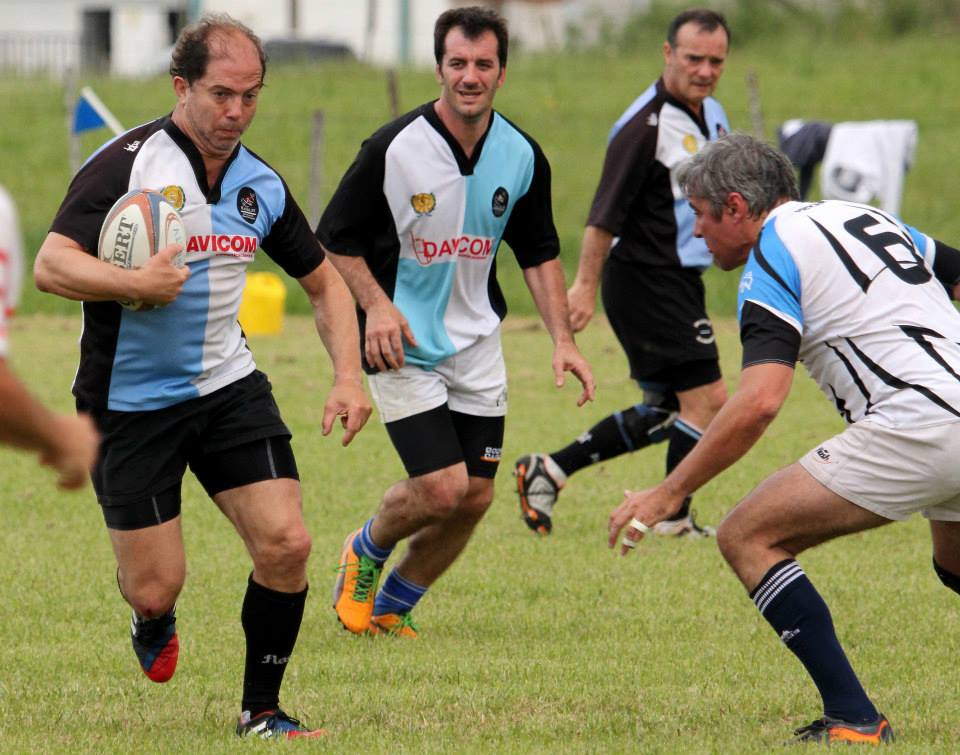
[[639, 526]]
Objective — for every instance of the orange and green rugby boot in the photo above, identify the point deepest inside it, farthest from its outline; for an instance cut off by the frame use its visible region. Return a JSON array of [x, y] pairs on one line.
[[393, 625], [356, 587]]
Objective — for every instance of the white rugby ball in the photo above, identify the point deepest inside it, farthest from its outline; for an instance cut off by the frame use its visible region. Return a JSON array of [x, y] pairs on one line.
[[139, 224]]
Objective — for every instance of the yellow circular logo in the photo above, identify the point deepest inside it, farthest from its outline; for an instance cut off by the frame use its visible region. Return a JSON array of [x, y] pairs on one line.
[[423, 203], [175, 196], [690, 143]]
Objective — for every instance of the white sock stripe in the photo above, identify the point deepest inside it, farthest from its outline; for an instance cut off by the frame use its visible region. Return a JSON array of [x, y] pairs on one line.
[[395, 599], [775, 579], [763, 605], [420, 589], [362, 540], [366, 550], [775, 585]]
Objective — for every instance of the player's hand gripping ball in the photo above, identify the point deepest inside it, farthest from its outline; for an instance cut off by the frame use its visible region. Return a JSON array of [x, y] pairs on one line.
[[140, 223]]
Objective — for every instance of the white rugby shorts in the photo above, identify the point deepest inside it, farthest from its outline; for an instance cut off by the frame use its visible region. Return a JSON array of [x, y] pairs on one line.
[[473, 381], [893, 472]]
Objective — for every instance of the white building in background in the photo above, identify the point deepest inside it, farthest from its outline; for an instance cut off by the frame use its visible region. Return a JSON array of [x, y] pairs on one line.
[[124, 37], [133, 37], [391, 32]]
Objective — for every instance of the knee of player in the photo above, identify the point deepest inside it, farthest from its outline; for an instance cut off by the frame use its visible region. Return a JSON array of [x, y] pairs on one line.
[[286, 549], [155, 598], [948, 578], [441, 493], [476, 503], [730, 540]]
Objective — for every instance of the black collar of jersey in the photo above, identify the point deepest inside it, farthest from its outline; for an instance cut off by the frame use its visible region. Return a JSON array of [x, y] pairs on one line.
[[466, 164], [700, 120], [196, 160]]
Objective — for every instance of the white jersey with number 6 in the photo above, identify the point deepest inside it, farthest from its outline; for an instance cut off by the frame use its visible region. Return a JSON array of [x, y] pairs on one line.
[[878, 331]]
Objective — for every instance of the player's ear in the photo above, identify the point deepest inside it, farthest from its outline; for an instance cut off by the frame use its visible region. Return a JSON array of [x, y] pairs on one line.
[[180, 86], [736, 205]]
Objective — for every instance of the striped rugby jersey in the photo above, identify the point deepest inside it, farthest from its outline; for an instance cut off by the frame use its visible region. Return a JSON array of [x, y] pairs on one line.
[[132, 361], [860, 298], [638, 198], [428, 221]]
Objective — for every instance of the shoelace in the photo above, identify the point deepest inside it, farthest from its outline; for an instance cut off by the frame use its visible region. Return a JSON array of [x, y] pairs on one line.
[[406, 620], [367, 573]]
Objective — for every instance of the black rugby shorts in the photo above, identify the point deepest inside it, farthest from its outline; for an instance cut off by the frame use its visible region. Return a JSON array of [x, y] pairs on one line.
[[232, 437], [659, 316], [440, 438]]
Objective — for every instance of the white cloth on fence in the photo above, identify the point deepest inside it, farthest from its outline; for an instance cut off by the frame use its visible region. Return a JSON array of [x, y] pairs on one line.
[[867, 161]]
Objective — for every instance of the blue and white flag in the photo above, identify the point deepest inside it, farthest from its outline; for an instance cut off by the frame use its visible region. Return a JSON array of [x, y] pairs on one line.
[[91, 113]]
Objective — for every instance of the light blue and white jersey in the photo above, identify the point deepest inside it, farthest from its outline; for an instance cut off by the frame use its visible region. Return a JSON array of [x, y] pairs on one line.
[[638, 198], [133, 360], [428, 220], [876, 328]]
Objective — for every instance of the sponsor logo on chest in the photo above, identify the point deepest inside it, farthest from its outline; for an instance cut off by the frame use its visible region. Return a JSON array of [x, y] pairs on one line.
[[466, 246], [234, 245]]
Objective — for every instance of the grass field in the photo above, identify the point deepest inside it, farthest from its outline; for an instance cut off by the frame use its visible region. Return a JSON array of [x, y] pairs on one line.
[[528, 645], [568, 101]]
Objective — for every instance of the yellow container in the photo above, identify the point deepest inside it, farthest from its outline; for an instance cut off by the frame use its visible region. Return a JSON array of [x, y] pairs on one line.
[[261, 309]]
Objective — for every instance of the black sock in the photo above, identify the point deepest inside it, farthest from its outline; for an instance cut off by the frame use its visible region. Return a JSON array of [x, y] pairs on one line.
[[271, 622], [629, 430], [683, 438], [949, 579], [795, 610]]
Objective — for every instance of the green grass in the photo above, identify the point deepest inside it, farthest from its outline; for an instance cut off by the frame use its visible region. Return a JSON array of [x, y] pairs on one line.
[[528, 645], [567, 101]]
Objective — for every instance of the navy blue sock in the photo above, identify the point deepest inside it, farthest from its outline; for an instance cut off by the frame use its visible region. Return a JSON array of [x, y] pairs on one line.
[[797, 613], [364, 546], [397, 595], [683, 437]]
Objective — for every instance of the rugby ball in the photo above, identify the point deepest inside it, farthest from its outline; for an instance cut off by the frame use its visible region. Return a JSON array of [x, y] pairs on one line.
[[139, 224]]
